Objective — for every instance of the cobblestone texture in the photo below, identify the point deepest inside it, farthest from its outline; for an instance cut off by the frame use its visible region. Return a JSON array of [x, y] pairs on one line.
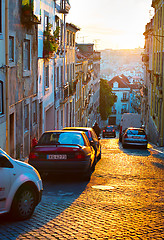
[[132, 207]]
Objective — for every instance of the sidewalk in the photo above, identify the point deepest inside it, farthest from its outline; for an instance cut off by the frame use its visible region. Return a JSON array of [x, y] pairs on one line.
[[159, 149]]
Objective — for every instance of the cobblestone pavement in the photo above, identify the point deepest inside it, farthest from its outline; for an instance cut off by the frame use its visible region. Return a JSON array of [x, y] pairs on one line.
[[123, 200]]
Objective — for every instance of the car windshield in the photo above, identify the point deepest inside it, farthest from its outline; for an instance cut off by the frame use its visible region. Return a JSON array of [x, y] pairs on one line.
[[135, 132], [61, 138]]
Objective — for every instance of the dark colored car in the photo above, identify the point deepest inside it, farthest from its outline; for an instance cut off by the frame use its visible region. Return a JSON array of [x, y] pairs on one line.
[[63, 152], [134, 137], [109, 131], [93, 139]]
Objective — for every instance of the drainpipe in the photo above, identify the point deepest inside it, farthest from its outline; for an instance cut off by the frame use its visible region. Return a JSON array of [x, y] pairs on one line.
[[7, 73]]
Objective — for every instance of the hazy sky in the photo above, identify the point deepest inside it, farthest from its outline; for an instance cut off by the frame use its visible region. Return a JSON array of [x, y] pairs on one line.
[[112, 24]]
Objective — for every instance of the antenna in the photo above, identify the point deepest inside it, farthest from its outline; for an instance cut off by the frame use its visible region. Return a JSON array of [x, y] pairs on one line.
[[96, 43]]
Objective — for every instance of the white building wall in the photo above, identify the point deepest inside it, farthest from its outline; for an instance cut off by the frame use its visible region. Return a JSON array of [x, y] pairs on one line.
[[2, 79], [46, 95]]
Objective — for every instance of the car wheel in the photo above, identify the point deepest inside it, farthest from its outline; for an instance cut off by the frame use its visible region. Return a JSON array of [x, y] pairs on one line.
[[99, 157], [88, 174], [124, 145], [24, 203]]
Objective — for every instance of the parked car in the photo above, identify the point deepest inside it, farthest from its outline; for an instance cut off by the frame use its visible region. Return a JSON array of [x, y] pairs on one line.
[[109, 131], [134, 136], [93, 139], [20, 187], [129, 120], [63, 152]]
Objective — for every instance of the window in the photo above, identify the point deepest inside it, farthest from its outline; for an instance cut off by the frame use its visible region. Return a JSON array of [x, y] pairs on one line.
[[1, 97], [11, 49], [34, 112], [67, 38], [0, 16], [46, 22], [124, 95], [61, 75], [70, 38], [57, 77], [26, 117], [26, 55], [47, 76], [115, 84], [67, 72], [73, 40]]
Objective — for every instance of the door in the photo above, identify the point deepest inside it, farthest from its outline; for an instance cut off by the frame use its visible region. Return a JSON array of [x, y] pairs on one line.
[[5, 180]]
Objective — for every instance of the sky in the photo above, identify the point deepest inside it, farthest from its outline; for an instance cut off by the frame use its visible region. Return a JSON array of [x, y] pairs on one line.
[[110, 24]]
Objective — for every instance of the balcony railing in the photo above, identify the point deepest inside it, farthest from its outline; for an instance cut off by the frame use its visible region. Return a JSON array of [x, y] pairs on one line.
[[124, 99], [124, 111], [64, 94], [64, 6], [114, 111]]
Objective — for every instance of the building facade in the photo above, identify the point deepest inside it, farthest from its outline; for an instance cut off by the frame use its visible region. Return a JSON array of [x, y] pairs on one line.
[[153, 59], [3, 68]]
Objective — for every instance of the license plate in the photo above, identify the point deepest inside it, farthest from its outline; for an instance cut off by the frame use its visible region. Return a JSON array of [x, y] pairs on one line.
[[136, 137], [57, 157]]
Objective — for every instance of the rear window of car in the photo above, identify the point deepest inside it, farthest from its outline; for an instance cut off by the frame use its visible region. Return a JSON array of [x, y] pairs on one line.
[[110, 128], [135, 132], [62, 138]]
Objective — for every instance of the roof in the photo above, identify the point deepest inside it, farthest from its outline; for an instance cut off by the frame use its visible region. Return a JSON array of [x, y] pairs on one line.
[[123, 81]]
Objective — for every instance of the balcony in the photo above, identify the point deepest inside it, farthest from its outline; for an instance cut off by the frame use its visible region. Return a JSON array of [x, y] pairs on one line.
[[124, 111], [64, 6], [64, 94], [145, 58], [124, 99], [72, 87], [113, 112], [27, 14], [154, 2]]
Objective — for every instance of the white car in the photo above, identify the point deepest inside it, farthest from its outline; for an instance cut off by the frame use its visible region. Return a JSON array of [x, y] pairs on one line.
[[20, 187]]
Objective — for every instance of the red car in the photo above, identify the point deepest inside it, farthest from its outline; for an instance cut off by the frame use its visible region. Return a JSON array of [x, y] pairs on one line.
[[63, 152]]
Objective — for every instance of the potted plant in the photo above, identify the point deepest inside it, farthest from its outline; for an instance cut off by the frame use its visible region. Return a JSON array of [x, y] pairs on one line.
[[27, 10], [51, 40]]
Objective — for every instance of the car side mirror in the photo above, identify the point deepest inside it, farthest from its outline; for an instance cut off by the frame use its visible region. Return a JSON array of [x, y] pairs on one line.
[[92, 142], [99, 138]]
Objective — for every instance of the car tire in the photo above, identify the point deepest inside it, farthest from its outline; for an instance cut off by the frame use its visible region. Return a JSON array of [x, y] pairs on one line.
[[124, 145], [88, 174], [99, 157], [24, 203]]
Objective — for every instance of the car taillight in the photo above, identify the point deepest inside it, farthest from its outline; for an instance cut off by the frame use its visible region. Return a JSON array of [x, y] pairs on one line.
[[145, 137], [125, 136], [103, 130], [79, 155], [120, 129], [113, 130], [33, 155]]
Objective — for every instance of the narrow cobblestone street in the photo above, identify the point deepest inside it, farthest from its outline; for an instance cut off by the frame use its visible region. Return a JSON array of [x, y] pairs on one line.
[[123, 200]]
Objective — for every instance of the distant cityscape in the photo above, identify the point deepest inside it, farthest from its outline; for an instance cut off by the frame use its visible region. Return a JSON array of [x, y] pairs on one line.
[[124, 61]]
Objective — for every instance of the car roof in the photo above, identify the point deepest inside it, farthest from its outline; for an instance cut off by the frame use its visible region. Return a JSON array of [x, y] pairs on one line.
[[134, 128], [82, 128], [61, 131]]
